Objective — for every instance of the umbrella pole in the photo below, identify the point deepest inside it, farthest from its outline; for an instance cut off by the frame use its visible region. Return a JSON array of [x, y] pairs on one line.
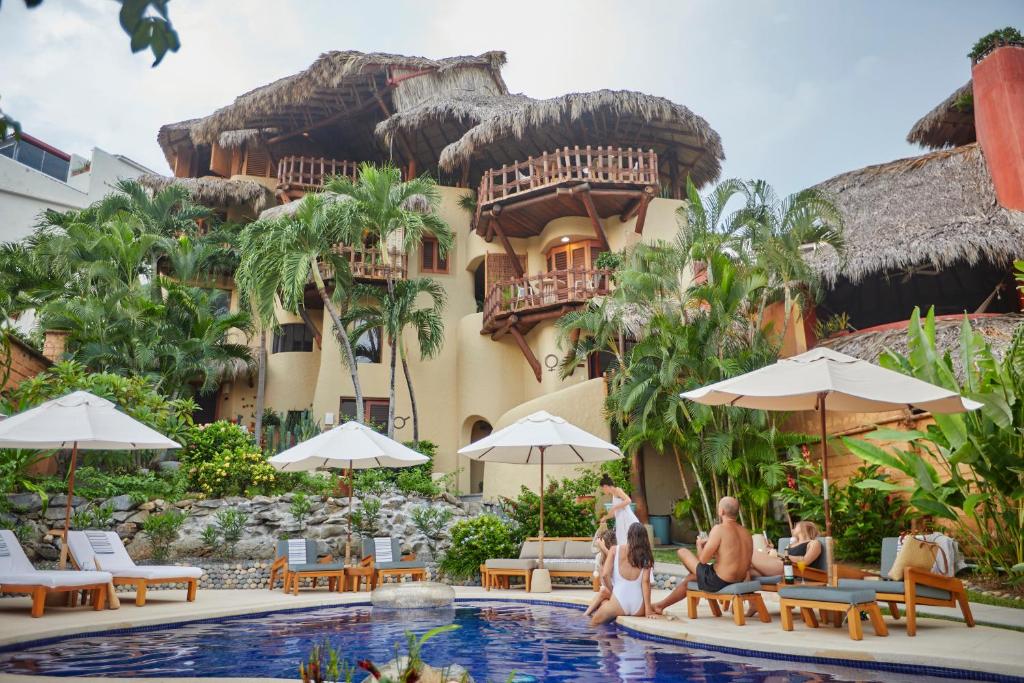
[[829, 550], [540, 564], [348, 540], [68, 505]]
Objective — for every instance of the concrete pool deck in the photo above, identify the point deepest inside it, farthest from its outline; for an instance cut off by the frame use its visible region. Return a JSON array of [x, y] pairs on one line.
[[939, 643]]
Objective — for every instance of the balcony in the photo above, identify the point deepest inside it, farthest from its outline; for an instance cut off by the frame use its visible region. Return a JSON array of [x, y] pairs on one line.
[[296, 175], [519, 199], [369, 265], [521, 302]]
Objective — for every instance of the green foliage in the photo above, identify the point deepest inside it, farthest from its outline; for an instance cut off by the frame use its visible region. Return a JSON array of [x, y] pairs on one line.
[[823, 329], [325, 664], [15, 476], [373, 482], [366, 520], [966, 468], [861, 517], [162, 530], [312, 483], [474, 541], [431, 522], [610, 260], [230, 524], [380, 481], [95, 484], [993, 40], [148, 30], [211, 539], [588, 482], [416, 481], [93, 517], [300, 507], [220, 460], [563, 516]]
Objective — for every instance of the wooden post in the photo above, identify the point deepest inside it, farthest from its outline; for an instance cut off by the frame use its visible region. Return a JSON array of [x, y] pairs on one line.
[[500, 232], [527, 351]]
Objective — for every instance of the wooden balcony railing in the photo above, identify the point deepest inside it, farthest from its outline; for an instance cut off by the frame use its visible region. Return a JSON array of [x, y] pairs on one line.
[[369, 264], [610, 165], [544, 291], [304, 173]]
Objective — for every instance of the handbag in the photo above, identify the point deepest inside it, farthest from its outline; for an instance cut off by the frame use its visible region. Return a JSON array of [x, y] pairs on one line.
[[918, 553]]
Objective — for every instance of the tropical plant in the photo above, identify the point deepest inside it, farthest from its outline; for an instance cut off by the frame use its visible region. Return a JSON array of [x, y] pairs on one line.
[[965, 469], [210, 539], [563, 516], [93, 517], [162, 529], [474, 541], [431, 522], [987, 43], [93, 483], [16, 476], [301, 507], [230, 524], [366, 520]]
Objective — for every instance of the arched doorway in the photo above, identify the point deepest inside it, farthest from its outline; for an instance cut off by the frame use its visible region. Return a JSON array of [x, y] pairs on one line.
[[480, 429]]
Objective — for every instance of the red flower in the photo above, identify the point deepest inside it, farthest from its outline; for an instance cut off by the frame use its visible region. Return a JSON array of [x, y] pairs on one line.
[[367, 665]]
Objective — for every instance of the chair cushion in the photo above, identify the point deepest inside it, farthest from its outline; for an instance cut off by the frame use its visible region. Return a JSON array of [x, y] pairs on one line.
[[769, 580], [578, 550], [741, 588], [569, 565], [156, 572], [511, 564], [54, 579], [530, 549], [828, 594], [86, 547], [894, 587], [406, 564], [317, 567]]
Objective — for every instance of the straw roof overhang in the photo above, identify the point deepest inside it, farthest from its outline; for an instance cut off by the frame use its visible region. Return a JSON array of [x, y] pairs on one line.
[[950, 124], [490, 131], [173, 136], [937, 209], [216, 192], [869, 345]]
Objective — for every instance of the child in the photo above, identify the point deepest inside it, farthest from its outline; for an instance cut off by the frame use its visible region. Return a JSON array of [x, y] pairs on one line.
[[605, 543]]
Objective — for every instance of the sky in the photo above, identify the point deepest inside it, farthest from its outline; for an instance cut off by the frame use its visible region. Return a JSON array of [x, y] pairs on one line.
[[799, 90]]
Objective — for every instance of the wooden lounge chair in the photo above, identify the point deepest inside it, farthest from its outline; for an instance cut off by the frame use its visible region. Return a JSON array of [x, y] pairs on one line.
[[826, 599], [297, 559], [105, 551], [736, 594], [384, 554], [17, 575], [918, 587], [816, 572]]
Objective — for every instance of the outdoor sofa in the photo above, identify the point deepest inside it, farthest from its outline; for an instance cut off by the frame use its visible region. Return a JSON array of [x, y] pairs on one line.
[[566, 557], [17, 575], [104, 551]]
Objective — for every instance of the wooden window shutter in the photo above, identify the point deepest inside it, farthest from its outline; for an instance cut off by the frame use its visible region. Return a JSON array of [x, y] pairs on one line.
[[561, 260], [579, 258], [257, 161], [427, 250], [220, 161]]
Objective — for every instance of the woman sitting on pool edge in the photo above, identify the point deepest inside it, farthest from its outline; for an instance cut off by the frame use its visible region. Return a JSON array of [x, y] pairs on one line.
[[804, 547], [606, 543], [628, 568]]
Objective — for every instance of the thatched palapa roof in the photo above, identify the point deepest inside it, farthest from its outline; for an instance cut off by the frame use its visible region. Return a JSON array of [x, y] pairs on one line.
[[998, 331], [950, 124], [216, 192], [936, 209]]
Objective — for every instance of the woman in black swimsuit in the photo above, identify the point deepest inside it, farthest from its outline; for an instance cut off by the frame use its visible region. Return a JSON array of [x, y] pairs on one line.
[[804, 547]]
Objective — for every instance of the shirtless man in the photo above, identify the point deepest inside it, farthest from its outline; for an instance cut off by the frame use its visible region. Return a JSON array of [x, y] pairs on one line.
[[729, 545]]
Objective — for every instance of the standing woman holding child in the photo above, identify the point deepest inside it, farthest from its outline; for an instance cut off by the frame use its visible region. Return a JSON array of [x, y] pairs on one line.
[[628, 568]]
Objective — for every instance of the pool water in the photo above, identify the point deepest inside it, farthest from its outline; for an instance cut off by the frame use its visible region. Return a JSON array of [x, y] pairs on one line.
[[534, 642]]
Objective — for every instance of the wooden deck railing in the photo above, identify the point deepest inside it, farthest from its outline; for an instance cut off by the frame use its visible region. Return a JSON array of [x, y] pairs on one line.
[[545, 290], [613, 165], [297, 172], [368, 264]]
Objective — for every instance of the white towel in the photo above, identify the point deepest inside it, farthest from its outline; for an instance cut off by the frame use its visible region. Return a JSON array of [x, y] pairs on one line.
[[382, 550], [4, 552], [296, 551], [100, 542]]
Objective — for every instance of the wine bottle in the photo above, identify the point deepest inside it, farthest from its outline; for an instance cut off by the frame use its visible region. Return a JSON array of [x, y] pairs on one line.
[[787, 570]]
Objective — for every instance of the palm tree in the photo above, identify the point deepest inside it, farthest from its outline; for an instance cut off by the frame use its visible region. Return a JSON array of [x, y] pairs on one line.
[[394, 312], [281, 256]]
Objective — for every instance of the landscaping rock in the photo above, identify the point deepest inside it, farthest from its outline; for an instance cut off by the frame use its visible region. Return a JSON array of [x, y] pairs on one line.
[[394, 669], [413, 595], [61, 500], [27, 502], [139, 517], [209, 503], [120, 503]]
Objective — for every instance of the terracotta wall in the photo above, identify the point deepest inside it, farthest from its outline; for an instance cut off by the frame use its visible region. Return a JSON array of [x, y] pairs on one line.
[[25, 363]]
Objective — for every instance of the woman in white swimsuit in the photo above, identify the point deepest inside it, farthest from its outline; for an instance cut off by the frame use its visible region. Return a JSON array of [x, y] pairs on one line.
[[630, 568], [621, 510]]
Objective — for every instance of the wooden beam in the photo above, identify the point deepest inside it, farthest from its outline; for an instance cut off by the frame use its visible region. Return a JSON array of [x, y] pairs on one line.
[[588, 204], [641, 214], [319, 124], [506, 327], [496, 223], [630, 209], [527, 352]]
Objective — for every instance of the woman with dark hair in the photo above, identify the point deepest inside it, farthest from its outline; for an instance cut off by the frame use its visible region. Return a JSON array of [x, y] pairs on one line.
[[629, 571], [621, 510]]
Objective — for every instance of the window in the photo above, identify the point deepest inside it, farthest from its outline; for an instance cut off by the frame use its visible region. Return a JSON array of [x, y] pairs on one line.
[[293, 337], [367, 348], [375, 410], [431, 260], [38, 155]]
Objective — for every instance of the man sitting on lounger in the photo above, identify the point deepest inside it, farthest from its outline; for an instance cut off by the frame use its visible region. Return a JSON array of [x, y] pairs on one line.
[[728, 544]]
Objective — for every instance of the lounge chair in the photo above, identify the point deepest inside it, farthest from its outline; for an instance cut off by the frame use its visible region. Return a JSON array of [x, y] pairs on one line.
[[918, 587], [103, 550], [17, 575], [297, 559], [384, 554], [815, 572], [735, 593]]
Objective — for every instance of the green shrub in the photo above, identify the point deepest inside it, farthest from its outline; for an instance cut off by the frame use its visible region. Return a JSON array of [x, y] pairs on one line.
[[162, 530], [203, 442], [474, 541], [93, 517], [417, 479], [588, 482], [414, 480], [230, 523], [990, 41], [313, 483], [431, 522], [374, 482], [94, 484], [300, 507], [366, 520], [562, 515], [211, 539]]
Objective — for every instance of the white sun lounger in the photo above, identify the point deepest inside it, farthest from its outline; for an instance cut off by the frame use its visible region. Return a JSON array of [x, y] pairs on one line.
[[104, 550], [17, 575]]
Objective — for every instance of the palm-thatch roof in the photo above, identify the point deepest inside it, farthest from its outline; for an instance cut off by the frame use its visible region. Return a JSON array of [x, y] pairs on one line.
[[950, 124], [174, 135], [236, 138], [500, 129], [216, 192], [998, 331], [936, 210]]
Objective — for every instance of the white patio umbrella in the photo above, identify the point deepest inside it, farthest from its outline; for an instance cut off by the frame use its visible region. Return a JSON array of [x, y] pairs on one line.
[[79, 421], [822, 379], [350, 445], [535, 440]]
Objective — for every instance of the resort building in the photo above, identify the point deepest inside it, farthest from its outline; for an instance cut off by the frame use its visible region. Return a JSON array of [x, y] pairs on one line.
[[534, 190], [35, 176]]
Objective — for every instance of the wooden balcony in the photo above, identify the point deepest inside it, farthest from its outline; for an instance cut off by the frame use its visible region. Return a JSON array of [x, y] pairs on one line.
[[519, 303], [296, 175], [369, 265], [574, 181]]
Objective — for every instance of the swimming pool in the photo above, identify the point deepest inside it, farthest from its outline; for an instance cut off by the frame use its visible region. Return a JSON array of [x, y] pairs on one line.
[[539, 642]]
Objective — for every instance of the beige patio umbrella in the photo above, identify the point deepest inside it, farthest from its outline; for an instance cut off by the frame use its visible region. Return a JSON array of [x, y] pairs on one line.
[[822, 379], [534, 440], [353, 446]]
